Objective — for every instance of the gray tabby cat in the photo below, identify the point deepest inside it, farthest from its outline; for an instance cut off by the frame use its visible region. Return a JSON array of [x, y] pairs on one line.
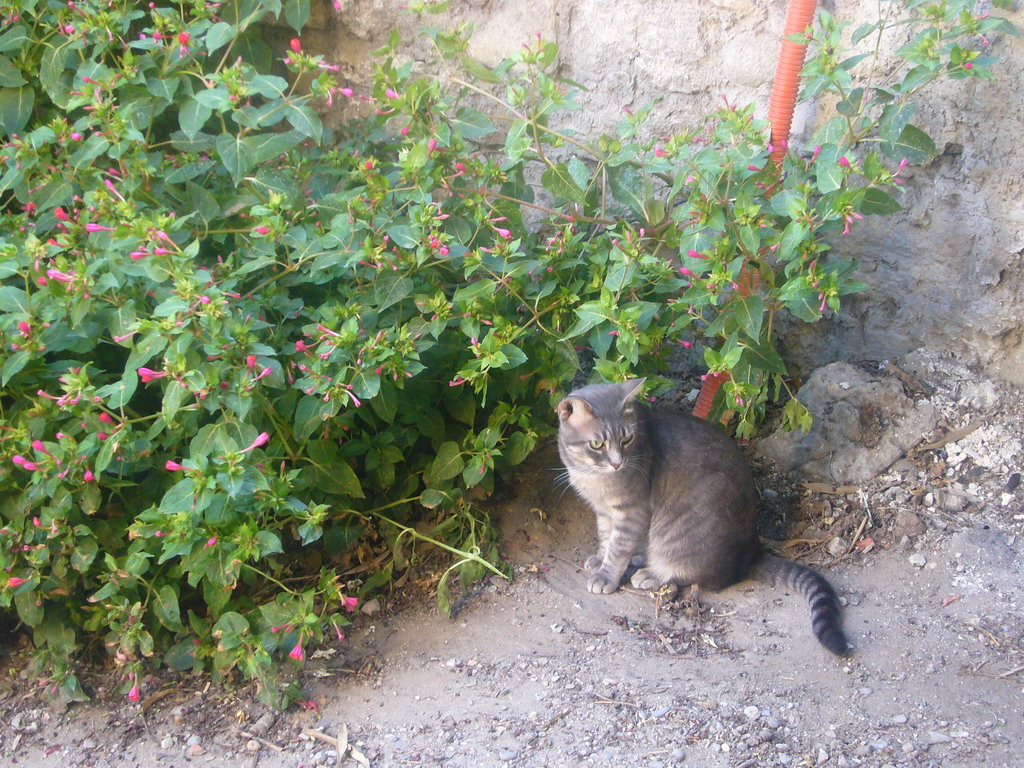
[[675, 493]]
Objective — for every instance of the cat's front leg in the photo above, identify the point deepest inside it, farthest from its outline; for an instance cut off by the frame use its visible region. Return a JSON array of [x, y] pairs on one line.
[[623, 542], [604, 533]]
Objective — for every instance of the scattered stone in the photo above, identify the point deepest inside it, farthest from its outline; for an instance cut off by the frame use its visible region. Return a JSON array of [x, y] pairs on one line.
[[937, 737], [264, 724], [88, 744], [252, 746], [879, 744], [861, 427], [907, 524], [167, 742], [838, 546], [507, 754], [918, 560], [899, 719], [192, 740], [751, 713], [371, 606], [195, 750], [822, 756]]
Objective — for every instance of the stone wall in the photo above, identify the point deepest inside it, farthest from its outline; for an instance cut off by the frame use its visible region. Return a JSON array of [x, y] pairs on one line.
[[947, 272]]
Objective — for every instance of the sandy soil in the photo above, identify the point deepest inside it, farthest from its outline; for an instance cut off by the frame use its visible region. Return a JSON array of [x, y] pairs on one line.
[[538, 672]]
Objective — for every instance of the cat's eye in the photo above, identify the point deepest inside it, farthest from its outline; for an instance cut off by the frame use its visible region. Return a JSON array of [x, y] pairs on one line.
[[597, 445], [627, 440]]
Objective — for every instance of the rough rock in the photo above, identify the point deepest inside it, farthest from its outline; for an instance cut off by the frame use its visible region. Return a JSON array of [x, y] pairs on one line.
[[862, 425]]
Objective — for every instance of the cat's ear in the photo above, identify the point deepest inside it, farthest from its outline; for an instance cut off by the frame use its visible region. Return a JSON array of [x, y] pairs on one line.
[[573, 408], [631, 389]]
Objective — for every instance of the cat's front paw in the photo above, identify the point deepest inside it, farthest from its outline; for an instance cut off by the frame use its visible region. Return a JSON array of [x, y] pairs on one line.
[[602, 584], [646, 580], [593, 562]]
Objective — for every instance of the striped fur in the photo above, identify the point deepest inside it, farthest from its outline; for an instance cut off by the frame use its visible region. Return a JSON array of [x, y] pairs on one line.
[[676, 494]]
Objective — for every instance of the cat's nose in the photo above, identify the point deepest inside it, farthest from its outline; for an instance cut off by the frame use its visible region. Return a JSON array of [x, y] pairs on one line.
[[615, 463]]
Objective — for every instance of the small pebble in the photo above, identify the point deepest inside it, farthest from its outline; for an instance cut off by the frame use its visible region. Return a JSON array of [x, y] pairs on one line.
[[899, 719], [822, 757], [88, 744], [252, 746], [166, 742], [918, 560], [192, 740], [508, 754], [879, 744], [196, 750], [865, 691], [751, 713]]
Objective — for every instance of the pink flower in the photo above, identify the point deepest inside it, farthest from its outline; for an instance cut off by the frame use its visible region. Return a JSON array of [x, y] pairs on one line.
[[660, 152], [133, 694], [89, 476], [61, 215], [37, 445], [844, 162], [348, 93], [105, 418], [296, 652], [76, 136], [250, 361], [261, 439], [391, 93], [24, 329], [60, 277], [685, 271], [262, 230], [295, 44], [148, 374], [15, 581], [349, 603], [337, 631], [28, 466], [503, 232], [93, 227], [210, 542], [431, 146], [173, 466], [969, 65]]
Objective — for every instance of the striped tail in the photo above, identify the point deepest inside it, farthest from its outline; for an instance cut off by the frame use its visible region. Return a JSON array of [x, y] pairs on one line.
[[825, 620]]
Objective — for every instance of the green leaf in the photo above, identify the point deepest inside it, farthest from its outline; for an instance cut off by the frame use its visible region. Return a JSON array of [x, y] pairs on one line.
[[748, 312], [879, 203], [517, 142], [392, 289], [560, 183], [472, 124], [13, 364], [894, 119], [192, 117], [266, 146], [628, 187], [762, 355], [219, 35], [165, 606], [479, 71], [913, 144], [10, 76], [296, 13], [236, 154], [447, 464], [15, 108], [14, 38], [306, 122]]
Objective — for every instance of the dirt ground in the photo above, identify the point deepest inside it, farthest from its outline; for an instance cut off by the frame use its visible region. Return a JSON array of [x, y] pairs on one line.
[[538, 672]]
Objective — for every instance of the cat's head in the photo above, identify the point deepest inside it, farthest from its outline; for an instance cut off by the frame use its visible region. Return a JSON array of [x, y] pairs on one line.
[[600, 426]]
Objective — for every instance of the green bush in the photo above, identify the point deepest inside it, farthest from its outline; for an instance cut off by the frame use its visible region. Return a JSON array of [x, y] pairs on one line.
[[243, 355]]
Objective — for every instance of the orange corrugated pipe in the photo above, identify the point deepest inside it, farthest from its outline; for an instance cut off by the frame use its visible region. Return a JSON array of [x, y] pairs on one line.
[[780, 114], [787, 76]]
